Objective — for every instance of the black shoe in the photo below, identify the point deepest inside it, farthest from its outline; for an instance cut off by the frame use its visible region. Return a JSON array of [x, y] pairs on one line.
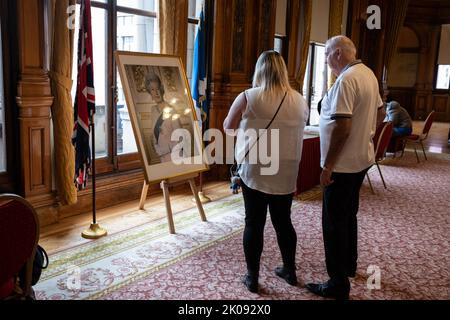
[[352, 274], [251, 283], [288, 275], [328, 291]]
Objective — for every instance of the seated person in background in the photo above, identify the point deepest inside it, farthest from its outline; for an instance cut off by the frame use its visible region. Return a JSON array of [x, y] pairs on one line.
[[399, 117]]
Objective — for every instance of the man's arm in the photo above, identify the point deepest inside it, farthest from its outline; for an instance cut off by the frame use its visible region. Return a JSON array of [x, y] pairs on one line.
[[339, 136]]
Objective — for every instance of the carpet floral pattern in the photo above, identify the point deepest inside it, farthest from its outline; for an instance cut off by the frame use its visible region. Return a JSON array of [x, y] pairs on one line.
[[403, 235]]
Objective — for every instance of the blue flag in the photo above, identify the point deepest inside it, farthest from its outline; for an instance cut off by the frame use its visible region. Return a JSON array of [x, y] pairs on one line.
[[199, 75]]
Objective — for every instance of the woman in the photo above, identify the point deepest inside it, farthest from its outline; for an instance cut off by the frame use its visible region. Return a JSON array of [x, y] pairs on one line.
[[254, 109]]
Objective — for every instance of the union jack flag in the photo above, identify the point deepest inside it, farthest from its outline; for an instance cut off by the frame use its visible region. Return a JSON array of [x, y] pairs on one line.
[[84, 108]]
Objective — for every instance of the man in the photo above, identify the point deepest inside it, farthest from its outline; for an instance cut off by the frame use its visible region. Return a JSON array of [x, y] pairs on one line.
[[347, 124]]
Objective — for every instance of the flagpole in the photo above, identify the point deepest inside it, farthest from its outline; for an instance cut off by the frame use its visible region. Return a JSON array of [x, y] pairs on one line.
[[199, 76], [88, 94], [94, 207], [94, 231], [201, 195]]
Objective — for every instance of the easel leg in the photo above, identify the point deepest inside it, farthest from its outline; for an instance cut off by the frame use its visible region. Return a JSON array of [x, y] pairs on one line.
[[165, 189], [143, 196], [197, 199]]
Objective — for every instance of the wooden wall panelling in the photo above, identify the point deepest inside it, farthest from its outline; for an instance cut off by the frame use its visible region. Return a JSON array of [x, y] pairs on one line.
[[336, 14], [430, 12], [447, 115], [422, 103], [266, 32], [370, 43], [429, 39], [404, 96], [9, 179], [242, 30], [34, 101], [425, 18], [374, 48], [357, 20], [441, 104]]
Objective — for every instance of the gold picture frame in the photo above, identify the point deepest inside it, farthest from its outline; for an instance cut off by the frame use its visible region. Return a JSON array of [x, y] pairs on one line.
[[159, 102]]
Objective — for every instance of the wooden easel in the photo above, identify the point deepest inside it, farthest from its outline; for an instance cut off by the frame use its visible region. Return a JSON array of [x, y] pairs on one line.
[[165, 188]]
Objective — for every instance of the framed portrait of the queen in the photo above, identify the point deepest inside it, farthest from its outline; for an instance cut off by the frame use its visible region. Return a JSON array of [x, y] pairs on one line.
[[162, 114]]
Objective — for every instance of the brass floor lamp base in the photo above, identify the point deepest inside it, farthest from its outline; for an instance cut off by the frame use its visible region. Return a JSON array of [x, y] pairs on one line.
[[94, 232]]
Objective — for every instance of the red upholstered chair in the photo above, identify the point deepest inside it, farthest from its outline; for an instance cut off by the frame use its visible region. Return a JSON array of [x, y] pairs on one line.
[[416, 139], [381, 142], [19, 235], [378, 133]]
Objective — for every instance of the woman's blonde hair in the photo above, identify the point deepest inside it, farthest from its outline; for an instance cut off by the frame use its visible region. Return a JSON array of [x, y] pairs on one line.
[[271, 74]]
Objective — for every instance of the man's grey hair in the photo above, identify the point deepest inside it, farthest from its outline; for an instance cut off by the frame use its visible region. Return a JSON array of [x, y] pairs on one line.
[[344, 43]]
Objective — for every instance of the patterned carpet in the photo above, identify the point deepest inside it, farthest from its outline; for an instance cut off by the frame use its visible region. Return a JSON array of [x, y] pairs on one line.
[[403, 233]]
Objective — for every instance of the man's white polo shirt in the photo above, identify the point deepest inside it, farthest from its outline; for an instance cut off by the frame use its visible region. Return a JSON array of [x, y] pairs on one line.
[[354, 95]]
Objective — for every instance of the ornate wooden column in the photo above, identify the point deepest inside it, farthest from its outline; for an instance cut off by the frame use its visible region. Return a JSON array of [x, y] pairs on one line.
[[370, 43], [242, 30], [34, 101]]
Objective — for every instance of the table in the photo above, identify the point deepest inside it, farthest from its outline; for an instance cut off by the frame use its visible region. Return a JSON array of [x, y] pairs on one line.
[[309, 167]]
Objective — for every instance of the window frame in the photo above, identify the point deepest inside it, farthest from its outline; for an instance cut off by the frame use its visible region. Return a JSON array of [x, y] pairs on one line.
[[114, 162], [284, 45], [192, 20], [287, 37], [9, 178], [309, 75], [436, 72], [435, 88], [208, 12]]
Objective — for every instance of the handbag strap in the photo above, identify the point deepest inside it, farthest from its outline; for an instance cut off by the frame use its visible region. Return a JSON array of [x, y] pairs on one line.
[[44, 255], [267, 127]]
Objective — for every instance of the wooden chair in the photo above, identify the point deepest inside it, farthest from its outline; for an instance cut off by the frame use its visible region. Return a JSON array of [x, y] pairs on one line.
[[19, 235], [417, 139], [381, 142]]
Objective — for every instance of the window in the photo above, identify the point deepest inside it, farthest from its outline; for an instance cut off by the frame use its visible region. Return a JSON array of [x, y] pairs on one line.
[[135, 28], [195, 7], [443, 61], [281, 35], [315, 82], [443, 77], [279, 44], [139, 33], [125, 43], [99, 35], [2, 114]]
